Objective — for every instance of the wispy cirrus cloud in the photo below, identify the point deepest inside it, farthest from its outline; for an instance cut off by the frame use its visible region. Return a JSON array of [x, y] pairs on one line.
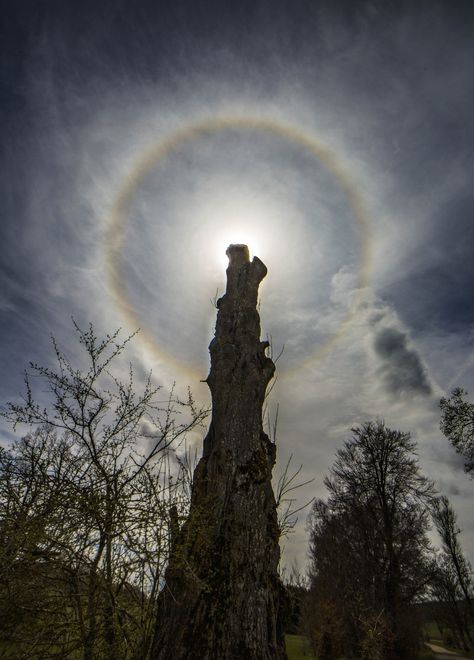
[[387, 89]]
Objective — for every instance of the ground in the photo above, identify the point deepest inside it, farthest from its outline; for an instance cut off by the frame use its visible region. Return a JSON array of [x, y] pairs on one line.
[[298, 648]]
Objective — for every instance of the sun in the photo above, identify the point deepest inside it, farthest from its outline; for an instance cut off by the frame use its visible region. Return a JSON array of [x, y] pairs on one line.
[[235, 237], [236, 220]]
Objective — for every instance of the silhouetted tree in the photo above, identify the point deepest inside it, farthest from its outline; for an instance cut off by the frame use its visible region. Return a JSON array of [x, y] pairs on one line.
[[368, 545], [85, 501], [223, 597], [457, 424], [452, 584]]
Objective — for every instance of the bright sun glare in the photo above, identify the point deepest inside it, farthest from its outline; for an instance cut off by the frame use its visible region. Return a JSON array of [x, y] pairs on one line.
[[235, 237], [236, 222]]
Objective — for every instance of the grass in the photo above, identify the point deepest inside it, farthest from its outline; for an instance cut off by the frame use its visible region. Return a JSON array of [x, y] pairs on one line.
[[431, 630], [298, 648], [433, 634]]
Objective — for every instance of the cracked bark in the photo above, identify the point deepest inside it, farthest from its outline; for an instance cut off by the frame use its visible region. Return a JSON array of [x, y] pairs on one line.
[[223, 598]]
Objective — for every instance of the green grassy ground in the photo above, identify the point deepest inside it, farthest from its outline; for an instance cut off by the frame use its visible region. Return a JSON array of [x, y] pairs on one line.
[[431, 630], [433, 634], [298, 648]]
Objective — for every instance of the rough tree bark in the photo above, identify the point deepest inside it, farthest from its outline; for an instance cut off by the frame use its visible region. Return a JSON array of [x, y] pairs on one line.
[[223, 598]]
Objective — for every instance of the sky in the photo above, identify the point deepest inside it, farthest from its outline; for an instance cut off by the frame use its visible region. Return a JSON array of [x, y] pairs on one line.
[[334, 138]]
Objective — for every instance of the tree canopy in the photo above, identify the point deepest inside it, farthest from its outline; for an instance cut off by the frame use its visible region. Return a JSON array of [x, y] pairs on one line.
[[457, 424], [369, 547]]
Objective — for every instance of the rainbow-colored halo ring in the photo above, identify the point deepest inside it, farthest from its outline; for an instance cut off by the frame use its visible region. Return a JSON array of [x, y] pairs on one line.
[[119, 215]]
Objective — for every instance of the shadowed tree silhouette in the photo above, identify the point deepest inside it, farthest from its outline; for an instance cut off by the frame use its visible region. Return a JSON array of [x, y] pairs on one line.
[[368, 546], [85, 501], [457, 424], [223, 597]]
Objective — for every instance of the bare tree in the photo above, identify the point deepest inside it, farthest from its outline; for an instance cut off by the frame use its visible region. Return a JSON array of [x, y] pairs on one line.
[[452, 586], [94, 489], [33, 500]]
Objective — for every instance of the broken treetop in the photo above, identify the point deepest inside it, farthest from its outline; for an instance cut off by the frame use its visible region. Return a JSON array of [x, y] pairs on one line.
[[243, 276]]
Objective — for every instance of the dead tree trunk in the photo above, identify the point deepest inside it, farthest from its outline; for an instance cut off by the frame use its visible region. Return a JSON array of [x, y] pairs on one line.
[[223, 599]]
